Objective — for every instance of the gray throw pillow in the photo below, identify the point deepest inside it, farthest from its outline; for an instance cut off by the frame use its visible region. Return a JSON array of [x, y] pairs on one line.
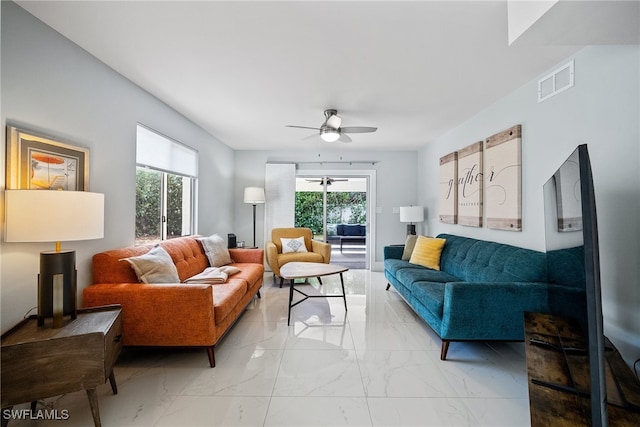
[[216, 250], [156, 266], [409, 244]]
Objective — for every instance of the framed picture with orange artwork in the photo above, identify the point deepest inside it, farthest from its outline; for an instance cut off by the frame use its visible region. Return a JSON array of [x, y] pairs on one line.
[[39, 162]]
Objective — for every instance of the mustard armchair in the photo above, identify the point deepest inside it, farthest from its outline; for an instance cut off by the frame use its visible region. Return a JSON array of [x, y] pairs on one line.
[[316, 251]]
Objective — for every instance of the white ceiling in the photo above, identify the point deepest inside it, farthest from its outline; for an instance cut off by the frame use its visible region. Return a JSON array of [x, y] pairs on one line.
[[244, 70]]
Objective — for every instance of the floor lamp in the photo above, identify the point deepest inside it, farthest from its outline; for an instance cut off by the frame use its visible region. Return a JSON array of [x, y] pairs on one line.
[[54, 216], [254, 196], [411, 214]]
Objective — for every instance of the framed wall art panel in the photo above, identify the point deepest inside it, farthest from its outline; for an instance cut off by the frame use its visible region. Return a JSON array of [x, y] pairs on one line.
[[38, 162], [448, 188], [503, 180], [470, 185]]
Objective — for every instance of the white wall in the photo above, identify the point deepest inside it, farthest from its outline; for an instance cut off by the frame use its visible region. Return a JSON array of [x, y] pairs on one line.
[[51, 86], [603, 111], [396, 177]]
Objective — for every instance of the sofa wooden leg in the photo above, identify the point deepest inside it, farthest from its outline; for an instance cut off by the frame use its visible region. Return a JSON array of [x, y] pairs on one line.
[[259, 296], [212, 357], [388, 286], [281, 281], [444, 349]]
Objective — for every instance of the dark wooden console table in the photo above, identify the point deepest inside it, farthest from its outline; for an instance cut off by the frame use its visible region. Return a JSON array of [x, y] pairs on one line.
[[550, 369], [40, 362]]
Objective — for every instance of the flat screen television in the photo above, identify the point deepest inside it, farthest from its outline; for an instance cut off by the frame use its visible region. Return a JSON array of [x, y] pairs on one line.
[[571, 229]]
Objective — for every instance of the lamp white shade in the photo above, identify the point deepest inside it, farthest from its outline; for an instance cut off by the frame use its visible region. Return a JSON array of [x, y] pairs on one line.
[[254, 195], [411, 213], [53, 216]]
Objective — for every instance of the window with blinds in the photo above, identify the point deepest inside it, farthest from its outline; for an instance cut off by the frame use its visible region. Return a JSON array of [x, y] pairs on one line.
[[166, 174]]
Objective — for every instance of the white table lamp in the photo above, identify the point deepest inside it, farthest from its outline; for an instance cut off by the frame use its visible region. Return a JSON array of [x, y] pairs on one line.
[[54, 216], [411, 214]]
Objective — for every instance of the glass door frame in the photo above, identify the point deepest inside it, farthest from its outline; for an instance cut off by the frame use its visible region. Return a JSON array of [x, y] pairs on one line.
[[370, 175]]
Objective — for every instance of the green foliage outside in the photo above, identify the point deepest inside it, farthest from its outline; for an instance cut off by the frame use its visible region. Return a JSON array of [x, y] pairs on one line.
[[148, 205], [174, 205], [148, 214], [342, 207]]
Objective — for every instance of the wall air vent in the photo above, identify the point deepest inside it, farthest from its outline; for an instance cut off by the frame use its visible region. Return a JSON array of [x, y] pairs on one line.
[[556, 82]]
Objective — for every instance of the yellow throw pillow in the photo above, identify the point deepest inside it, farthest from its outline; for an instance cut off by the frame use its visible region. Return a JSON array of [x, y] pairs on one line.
[[427, 252]]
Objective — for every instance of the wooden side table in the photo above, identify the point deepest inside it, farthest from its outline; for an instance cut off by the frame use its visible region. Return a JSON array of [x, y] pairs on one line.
[[41, 362], [552, 373]]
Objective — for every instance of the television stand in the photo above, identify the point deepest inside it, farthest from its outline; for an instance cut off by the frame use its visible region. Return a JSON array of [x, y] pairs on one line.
[[559, 379]]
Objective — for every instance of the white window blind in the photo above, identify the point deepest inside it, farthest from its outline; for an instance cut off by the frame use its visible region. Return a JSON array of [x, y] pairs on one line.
[[159, 152]]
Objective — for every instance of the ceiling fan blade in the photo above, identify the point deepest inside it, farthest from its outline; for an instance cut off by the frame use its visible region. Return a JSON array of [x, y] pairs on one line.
[[358, 129], [300, 127], [344, 138], [312, 136]]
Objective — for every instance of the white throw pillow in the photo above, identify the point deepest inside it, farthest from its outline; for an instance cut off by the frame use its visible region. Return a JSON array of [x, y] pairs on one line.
[[156, 266], [293, 245], [216, 250]]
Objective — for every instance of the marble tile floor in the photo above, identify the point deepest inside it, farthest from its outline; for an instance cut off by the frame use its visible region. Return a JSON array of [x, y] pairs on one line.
[[375, 365]]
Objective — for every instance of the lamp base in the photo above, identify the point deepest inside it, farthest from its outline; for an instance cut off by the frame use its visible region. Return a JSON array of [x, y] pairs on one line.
[[57, 285], [254, 225], [411, 229]]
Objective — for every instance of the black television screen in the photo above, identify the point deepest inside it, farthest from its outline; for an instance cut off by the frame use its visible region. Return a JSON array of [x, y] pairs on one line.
[[571, 230]]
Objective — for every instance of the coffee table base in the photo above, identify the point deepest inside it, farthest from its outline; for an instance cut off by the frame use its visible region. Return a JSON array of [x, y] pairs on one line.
[[304, 270], [306, 296]]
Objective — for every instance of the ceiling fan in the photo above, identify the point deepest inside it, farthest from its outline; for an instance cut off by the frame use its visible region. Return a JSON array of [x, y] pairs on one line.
[[329, 180], [331, 131]]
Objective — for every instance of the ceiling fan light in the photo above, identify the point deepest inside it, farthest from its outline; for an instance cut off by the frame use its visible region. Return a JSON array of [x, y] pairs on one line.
[[329, 135]]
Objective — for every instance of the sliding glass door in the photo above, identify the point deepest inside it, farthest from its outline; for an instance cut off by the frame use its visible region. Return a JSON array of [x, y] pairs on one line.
[[335, 209]]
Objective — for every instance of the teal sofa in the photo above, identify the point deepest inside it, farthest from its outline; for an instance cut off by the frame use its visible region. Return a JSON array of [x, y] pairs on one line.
[[481, 291]]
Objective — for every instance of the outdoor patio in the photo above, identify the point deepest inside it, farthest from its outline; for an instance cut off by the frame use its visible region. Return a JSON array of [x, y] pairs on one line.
[[352, 256]]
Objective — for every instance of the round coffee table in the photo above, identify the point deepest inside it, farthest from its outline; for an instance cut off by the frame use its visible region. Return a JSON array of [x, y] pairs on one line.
[[303, 270]]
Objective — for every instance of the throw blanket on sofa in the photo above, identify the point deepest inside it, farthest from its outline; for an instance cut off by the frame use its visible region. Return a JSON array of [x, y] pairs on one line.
[[213, 275]]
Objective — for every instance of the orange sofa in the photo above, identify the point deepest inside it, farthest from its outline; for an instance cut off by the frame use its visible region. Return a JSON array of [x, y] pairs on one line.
[[175, 315]]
